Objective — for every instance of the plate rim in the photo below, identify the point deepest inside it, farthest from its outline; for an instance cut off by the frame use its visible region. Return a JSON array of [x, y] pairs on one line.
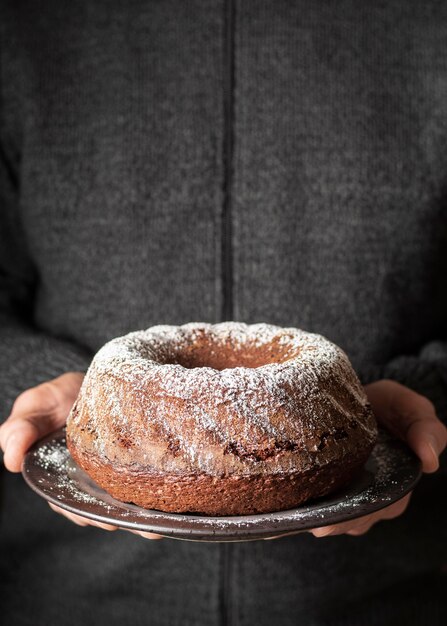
[[231, 528]]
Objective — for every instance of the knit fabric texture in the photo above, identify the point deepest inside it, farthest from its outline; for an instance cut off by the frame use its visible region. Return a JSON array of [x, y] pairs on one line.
[[168, 162]]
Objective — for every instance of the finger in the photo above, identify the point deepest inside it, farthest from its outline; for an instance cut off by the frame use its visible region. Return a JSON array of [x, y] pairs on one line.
[[81, 521], [108, 527], [20, 435], [144, 534], [359, 531], [35, 413], [395, 509], [33, 404], [40, 399], [411, 417], [52, 399], [426, 439], [361, 525], [390, 512], [326, 531], [293, 532]]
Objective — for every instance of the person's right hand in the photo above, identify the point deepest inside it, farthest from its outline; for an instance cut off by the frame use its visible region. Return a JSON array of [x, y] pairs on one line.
[[36, 413]]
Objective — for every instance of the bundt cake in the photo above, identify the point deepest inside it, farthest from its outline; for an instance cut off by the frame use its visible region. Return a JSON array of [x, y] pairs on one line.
[[223, 419]]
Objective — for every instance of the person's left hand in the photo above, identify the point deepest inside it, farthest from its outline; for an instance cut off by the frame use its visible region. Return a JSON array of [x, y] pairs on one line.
[[37, 412], [412, 418]]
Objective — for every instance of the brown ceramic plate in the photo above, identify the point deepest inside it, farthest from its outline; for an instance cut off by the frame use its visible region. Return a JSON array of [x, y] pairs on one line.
[[391, 471]]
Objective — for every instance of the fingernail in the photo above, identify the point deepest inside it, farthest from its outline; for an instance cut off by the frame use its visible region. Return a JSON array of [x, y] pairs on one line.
[[12, 439], [431, 444], [322, 531], [12, 463]]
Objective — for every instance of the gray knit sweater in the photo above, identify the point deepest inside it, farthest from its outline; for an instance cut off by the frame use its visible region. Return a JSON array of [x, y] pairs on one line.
[[168, 161]]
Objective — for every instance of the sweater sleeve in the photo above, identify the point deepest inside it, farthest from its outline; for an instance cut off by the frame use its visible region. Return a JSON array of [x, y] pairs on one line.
[[425, 373], [28, 356]]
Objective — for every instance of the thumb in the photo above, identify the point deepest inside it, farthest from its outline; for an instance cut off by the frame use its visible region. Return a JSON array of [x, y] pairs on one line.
[[36, 412], [411, 417]]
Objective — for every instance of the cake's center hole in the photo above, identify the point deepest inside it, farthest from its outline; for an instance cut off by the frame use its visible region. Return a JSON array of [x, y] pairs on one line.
[[203, 352]]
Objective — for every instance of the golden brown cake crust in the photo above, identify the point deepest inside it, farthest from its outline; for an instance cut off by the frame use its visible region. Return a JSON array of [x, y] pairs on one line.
[[220, 419], [225, 495]]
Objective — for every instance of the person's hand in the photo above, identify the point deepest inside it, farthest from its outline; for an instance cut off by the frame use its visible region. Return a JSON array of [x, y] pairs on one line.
[[38, 412], [412, 418]]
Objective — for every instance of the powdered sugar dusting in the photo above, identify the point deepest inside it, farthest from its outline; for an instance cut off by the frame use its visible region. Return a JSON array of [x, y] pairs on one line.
[[389, 474], [53, 456], [263, 398], [55, 459]]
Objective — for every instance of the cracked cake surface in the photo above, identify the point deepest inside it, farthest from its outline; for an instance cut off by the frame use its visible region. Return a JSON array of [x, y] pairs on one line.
[[220, 419]]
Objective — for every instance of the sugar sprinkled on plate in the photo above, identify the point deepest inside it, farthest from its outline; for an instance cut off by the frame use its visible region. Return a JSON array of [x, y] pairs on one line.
[[54, 457], [391, 471]]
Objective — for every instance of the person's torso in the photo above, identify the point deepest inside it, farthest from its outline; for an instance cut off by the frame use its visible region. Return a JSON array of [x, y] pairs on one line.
[[284, 162]]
